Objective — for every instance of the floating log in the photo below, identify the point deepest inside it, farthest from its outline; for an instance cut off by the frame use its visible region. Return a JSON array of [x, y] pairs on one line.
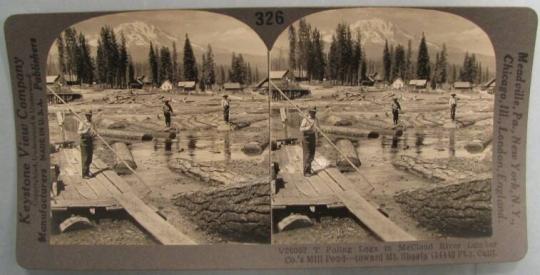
[[125, 135], [112, 124], [124, 156], [237, 212], [348, 131], [246, 120], [460, 208], [338, 121], [257, 145], [478, 145], [346, 147], [294, 221]]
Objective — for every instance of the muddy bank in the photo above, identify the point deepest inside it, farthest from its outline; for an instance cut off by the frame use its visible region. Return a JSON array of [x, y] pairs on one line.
[[238, 212]]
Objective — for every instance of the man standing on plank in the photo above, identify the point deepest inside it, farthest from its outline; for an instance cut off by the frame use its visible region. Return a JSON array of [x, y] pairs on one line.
[[453, 105], [225, 103], [167, 112], [308, 127], [86, 131]]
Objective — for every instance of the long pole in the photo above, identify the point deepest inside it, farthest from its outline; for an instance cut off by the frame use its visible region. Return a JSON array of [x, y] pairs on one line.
[[324, 135], [104, 142]]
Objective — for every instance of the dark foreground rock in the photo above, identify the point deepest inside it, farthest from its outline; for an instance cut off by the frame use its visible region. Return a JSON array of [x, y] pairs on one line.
[[238, 212], [460, 208]]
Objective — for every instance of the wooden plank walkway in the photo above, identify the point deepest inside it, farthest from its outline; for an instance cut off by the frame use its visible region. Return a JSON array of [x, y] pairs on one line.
[[109, 190], [329, 187]]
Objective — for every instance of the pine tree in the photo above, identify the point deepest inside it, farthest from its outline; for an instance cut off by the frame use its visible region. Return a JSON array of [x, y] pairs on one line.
[[61, 55], [190, 64], [71, 52], [409, 67], [131, 72], [174, 77], [202, 82], [333, 59], [318, 61], [85, 66], [210, 67], [152, 61], [423, 69], [387, 62], [165, 65], [101, 64], [443, 66], [123, 62], [292, 48], [399, 68]]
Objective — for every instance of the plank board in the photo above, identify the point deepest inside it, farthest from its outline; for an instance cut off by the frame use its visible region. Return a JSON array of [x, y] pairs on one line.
[[64, 204], [108, 183], [164, 232], [379, 224], [319, 185], [279, 202]]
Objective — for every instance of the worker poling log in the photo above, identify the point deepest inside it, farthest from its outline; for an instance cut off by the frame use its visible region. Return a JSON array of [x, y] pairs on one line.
[[124, 157], [349, 132], [125, 135], [347, 147]]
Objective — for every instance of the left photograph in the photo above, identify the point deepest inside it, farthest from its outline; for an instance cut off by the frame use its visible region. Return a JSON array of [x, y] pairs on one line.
[[158, 134]]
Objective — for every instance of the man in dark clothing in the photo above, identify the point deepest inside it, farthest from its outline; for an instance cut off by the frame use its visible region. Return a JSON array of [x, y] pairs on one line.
[[86, 132], [308, 127], [225, 103], [167, 112], [453, 105], [396, 108]]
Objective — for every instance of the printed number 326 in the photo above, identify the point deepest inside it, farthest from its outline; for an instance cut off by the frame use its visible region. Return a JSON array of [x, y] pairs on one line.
[[269, 17]]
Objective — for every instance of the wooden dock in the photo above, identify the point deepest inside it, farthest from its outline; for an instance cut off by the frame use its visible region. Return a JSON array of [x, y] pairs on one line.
[[328, 187], [108, 190]]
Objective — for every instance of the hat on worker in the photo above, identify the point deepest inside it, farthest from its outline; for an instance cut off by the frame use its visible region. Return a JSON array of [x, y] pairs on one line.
[[313, 110], [88, 113], [225, 96], [453, 94]]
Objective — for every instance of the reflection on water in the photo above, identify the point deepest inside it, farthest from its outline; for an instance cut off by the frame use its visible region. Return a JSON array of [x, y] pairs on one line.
[[428, 143], [452, 143], [227, 146]]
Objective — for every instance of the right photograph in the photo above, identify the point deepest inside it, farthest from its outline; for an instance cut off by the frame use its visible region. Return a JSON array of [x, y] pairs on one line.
[[381, 127]]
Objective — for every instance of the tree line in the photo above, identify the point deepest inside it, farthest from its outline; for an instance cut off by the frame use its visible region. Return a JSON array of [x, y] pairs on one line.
[[345, 61], [113, 67]]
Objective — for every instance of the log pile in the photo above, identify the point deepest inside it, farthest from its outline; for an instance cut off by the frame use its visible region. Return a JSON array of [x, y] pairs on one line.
[[237, 212], [460, 208], [206, 173]]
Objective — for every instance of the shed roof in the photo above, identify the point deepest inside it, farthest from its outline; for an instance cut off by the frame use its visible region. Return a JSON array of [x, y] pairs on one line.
[[232, 86], [51, 79], [186, 84], [462, 85]]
